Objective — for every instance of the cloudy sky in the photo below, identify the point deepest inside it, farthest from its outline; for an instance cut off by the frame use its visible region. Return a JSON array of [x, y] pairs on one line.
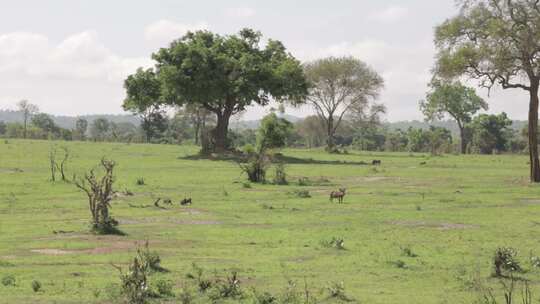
[[70, 56]]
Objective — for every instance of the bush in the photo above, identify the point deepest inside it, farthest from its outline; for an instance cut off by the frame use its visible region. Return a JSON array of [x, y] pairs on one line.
[[100, 193], [337, 291], [505, 260], [399, 264], [202, 283], [164, 288], [36, 286], [8, 280], [185, 296], [150, 258], [335, 242], [246, 185], [280, 177], [407, 251], [140, 181], [228, 288]]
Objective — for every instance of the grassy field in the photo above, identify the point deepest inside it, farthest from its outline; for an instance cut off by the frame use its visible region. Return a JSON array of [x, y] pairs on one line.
[[452, 212]]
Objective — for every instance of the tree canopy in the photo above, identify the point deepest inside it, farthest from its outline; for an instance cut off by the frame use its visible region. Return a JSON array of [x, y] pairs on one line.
[[226, 74], [338, 85], [496, 42], [453, 99]]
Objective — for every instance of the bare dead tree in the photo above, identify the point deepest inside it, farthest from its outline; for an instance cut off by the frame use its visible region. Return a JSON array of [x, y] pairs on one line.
[[100, 193], [63, 164], [52, 162]]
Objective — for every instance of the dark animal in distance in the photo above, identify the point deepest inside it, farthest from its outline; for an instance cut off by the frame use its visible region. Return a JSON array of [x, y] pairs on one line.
[[186, 201], [338, 194], [376, 162]]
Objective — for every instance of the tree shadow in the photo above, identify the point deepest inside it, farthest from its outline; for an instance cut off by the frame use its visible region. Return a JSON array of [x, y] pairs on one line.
[[278, 158]]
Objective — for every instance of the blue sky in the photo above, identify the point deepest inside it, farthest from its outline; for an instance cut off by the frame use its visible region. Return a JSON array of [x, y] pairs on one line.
[[71, 56]]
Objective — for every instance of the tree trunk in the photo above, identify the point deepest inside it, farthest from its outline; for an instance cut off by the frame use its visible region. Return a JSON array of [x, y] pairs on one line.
[[463, 142], [330, 134], [533, 134], [220, 132]]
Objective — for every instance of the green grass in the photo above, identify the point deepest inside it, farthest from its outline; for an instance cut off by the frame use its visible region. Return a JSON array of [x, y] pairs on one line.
[[452, 213]]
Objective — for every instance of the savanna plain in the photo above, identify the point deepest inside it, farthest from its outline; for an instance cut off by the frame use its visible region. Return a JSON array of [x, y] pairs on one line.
[[416, 229]]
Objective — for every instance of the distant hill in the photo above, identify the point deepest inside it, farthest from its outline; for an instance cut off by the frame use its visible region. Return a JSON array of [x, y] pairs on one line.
[[68, 122]]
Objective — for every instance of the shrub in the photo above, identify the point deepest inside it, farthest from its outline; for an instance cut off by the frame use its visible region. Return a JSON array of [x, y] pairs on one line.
[[164, 288], [100, 193], [256, 167], [185, 296], [134, 283], [407, 251], [202, 283], [505, 259], [335, 242], [337, 291], [36, 286], [304, 182], [228, 288], [8, 280], [246, 185], [535, 262], [280, 177], [150, 259], [140, 181], [399, 264], [264, 298]]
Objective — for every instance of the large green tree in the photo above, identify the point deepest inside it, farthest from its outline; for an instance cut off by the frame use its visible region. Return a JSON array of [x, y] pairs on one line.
[[143, 99], [455, 100], [498, 43], [338, 85], [226, 74]]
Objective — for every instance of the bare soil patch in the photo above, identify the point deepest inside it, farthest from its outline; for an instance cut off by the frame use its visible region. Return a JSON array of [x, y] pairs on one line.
[[108, 248]]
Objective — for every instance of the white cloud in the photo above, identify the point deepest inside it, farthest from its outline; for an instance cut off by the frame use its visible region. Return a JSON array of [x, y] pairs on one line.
[[164, 31], [390, 14], [240, 12], [77, 75]]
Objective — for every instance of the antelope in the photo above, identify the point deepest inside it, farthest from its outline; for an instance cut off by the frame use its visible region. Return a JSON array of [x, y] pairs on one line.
[[338, 194]]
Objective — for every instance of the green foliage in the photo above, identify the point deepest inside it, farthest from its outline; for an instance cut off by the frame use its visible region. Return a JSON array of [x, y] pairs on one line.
[[505, 259], [337, 291], [334, 242], [338, 85], [273, 132], [140, 181], [203, 284], [8, 280], [164, 288], [280, 176], [301, 193], [490, 133], [196, 69], [456, 100], [36, 285]]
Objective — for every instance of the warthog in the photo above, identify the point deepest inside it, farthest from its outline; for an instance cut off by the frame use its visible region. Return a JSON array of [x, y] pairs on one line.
[[338, 194], [186, 201]]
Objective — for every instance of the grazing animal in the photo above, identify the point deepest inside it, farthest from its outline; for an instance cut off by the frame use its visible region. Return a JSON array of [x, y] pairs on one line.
[[376, 162], [186, 201], [338, 194]]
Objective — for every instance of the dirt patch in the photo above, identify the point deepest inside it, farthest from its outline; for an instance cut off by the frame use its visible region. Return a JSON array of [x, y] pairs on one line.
[[11, 170], [52, 251], [530, 201], [439, 226], [255, 225]]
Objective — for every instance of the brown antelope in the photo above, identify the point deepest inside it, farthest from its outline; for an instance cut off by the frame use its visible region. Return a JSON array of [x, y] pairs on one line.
[[338, 194]]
